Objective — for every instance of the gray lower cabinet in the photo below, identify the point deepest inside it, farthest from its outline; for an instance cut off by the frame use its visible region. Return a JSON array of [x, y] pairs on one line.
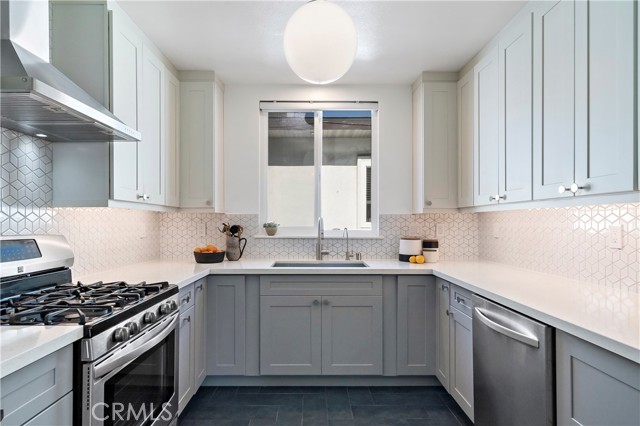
[[329, 325], [352, 335], [226, 324], [40, 393], [290, 335], [186, 388], [191, 341], [416, 354], [454, 356], [313, 335], [200, 332], [442, 332], [595, 386]]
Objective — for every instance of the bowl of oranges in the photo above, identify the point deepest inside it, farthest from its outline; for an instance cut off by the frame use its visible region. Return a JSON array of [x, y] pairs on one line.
[[208, 254]]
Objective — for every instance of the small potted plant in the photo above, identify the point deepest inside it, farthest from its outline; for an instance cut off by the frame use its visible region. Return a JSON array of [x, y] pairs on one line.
[[271, 228]]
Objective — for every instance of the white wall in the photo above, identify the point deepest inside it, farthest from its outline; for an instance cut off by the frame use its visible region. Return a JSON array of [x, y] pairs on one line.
[[30, 26], [242, 138]]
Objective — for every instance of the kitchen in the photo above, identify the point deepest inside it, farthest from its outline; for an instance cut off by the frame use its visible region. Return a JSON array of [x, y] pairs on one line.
[[548, 228]]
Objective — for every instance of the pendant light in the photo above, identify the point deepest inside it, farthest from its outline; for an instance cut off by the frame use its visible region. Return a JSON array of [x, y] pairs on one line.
[[320, 42]]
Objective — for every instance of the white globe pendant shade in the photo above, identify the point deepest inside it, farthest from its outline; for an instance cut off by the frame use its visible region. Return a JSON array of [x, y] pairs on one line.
[[320, 42]]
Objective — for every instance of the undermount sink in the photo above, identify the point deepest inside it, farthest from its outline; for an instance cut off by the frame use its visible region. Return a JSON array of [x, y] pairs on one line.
[[319, 264]]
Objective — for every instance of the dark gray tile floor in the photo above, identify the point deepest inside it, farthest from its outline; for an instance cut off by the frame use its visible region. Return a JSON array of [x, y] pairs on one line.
[[323, 406]]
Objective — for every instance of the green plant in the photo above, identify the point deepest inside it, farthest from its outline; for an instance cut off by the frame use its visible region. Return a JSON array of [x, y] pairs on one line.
[[270, 225]]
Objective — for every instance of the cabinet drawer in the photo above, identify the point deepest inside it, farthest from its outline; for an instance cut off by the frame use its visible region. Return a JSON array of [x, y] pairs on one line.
[[461, 300], [59, 414], [186, 297], [35, 387], [313, 285]]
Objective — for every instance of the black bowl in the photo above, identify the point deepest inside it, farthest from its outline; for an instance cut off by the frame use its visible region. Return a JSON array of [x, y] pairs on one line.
[[209, 257]]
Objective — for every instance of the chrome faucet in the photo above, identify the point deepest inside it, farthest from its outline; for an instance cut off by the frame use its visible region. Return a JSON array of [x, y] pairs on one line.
[[348, 254], [320, 252]]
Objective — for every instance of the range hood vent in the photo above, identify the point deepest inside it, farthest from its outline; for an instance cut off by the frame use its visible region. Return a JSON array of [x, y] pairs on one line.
[[37, 99]]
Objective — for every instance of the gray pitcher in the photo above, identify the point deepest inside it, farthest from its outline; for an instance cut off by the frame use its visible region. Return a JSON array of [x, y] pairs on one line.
[[235, 248]]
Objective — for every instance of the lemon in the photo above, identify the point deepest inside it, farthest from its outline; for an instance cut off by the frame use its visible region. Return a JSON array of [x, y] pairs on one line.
[[412, 259], [420, 259]]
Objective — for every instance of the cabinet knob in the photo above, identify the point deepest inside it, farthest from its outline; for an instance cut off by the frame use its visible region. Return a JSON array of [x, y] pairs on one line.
[[497, 197], [143, 197], [325, 302], [316, 302], [444, 287], [428, 202], [447, 312], [187, 319]]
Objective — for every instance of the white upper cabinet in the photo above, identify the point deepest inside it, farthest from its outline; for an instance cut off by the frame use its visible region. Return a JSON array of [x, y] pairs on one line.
[[122, 69], [435, 144], [466, 118], [604, 82], [486, 107], [584, 98], [126, 94], [515, 112], [201, 156], [172, 140]]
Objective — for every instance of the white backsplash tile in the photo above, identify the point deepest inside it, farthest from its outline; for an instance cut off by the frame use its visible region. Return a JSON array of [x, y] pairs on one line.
[[570, 241], [180, 235]]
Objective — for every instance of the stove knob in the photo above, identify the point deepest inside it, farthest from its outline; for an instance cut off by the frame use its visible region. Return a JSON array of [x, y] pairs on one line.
[[133, 328], [165, 308], [121, 334], [174, 305], [149, 318]]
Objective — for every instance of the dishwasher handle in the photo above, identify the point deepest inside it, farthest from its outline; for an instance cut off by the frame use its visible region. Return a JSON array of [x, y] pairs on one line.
[[527, 340]]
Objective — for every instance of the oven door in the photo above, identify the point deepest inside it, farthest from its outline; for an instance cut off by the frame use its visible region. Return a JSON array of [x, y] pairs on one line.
[[137, 384]]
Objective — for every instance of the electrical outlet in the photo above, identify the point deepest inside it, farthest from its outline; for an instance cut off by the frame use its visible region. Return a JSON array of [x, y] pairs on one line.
[[615, 236], [495, 230]]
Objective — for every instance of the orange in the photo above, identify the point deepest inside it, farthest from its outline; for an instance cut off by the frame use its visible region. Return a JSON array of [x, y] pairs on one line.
[[420, 259], [197, 250], [412, 259]]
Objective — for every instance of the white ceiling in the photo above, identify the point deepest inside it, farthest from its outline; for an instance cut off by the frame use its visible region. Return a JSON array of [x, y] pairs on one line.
[[242, 40]]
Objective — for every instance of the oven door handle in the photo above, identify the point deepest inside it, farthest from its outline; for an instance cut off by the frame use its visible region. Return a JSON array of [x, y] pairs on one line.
[[131, 352]]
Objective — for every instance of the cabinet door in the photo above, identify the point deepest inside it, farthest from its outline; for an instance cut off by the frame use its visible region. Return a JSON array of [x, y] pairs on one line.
[[516, 108], [226, 318], [461, 361], [465, 140], [442, 331], [200, 333], [594, 386], [197, 144], [604, 147], [126, 92], [152, 146], [440, 146], [417, 136], [290, 335], [486, 129], [185, 358], [416, 316], [352, 335], [172, 140], [553, 141]]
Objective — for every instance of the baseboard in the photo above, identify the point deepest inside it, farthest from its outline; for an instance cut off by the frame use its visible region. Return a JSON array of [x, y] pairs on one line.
[[320, 381]]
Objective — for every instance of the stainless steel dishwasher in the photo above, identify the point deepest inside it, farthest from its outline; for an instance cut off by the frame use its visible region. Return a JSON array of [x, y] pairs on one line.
[[513, 367]]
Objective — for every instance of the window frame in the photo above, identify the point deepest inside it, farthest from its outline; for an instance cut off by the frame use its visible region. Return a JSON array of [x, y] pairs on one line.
[[317, 108]]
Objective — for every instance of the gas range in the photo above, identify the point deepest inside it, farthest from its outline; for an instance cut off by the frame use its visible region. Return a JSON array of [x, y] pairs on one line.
[[128, 352]]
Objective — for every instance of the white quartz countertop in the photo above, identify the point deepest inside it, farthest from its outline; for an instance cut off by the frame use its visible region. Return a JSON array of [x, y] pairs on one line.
[[23, 345], [606, 317]]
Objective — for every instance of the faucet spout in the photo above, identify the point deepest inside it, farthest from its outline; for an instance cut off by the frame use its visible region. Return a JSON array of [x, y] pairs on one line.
[[348, 255], [320, 252]]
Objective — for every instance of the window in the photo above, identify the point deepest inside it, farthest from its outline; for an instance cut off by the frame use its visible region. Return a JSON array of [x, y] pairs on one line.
[[319, 162]]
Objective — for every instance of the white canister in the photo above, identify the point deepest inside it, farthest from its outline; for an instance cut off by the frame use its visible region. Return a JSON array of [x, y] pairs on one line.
[[430, 251], [409, 246]]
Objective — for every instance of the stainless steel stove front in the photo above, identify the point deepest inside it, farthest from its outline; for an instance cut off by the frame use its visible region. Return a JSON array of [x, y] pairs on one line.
[[136, 383]]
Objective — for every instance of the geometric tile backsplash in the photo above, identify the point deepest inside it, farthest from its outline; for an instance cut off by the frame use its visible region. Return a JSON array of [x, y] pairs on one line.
[[181, 232], [567, 241]]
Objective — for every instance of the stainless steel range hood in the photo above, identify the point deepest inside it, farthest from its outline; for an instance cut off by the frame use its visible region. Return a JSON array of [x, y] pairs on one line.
[[37, 99]]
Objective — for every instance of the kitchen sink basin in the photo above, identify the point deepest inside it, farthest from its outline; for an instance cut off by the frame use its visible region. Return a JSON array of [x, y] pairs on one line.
[[319, 264]]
